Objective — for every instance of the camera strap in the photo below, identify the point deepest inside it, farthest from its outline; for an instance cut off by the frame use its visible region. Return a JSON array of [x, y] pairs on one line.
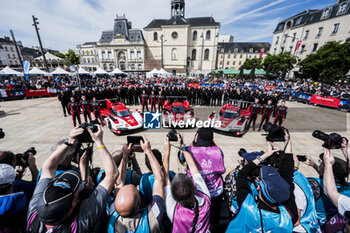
[[196, 216]]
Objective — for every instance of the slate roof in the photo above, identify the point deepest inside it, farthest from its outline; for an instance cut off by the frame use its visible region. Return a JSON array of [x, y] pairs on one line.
[[89, 43], [175, 20], [244, 47], [5, 41], [313, 16]]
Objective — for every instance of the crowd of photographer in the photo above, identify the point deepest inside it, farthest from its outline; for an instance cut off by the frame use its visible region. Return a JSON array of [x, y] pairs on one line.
[[265, 193]]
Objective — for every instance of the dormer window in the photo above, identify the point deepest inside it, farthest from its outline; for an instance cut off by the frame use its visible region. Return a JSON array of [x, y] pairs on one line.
[[289, 24], [236, 50], [251, 50], [299, 20], [342, 8], [326, 13]]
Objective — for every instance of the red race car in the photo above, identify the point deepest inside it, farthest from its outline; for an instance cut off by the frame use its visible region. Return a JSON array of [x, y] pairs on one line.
[[178, 114], [233, 119], [119, 119]]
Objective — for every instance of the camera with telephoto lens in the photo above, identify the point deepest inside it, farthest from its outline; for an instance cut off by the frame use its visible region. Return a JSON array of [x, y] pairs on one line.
[[274, 133], [85, 137], [172, 135], [330, 141], [2, 134], [24, 156]]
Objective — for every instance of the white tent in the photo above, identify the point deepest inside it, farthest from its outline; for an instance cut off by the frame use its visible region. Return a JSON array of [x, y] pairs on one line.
[[49, 56], [152, 73], [100, 71], [117, 71], [38, 72], [82, 71], [60, 71], [7, 71], [163, 73]]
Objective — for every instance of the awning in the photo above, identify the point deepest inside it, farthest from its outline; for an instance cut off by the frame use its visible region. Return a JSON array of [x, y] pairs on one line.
[[231, 71]]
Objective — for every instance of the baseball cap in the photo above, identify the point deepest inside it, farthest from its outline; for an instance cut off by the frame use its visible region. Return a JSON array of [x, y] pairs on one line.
[[58, 197], [250, 156], [205, 137], [273, 187], [7, 174]]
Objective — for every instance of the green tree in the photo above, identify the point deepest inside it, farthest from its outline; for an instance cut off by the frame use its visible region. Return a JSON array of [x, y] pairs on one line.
[[249, 63], [59, 54], [278, 61], [329, 64], [72, 58]]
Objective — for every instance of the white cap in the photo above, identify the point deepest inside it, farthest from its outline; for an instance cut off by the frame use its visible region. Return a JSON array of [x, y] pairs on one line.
[[7, 174]]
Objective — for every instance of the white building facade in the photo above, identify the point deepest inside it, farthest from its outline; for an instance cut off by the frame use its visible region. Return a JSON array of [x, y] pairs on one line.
[[312, 28], [122, 47], [233, 55], [182, 45], [9, 55]]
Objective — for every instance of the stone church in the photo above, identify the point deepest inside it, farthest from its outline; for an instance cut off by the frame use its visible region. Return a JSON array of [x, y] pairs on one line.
[[181, 45]]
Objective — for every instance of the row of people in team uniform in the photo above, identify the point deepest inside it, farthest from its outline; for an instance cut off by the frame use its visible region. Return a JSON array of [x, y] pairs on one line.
[[85, 107], [209, 96], [266, 110]]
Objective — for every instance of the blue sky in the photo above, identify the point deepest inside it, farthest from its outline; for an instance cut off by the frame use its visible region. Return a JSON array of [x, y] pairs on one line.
[[66, 23]]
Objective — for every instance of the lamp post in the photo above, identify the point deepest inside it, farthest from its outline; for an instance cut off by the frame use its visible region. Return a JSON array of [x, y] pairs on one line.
[[161, 46], [35, 24]]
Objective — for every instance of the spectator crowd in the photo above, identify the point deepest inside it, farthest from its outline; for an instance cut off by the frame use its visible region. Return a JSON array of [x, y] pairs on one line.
[[265, 193]]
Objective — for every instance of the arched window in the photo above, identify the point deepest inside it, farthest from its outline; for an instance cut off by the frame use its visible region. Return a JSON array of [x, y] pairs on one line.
[[207, 35], [289, 24], [326, 13], [110, 67], [155, 36], [206, 54], [139, 67], [194, 54], [132, 66], [194, 37], [105, 66], [174, 54], [342, 8]]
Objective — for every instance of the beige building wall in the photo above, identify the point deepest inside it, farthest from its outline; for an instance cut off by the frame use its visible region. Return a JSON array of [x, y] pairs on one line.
[[177, 51], [235, 60], [327, 34]]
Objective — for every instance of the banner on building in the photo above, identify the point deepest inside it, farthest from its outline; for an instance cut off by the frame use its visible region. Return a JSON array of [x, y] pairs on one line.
[[298, 45], [262, 53]]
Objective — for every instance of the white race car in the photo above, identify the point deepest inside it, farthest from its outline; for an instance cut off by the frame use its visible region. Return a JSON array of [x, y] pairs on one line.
[[119, 119], [233, 119]]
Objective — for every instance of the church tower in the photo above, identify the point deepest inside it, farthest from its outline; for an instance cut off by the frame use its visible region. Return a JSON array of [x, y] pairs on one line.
[[178, 8]]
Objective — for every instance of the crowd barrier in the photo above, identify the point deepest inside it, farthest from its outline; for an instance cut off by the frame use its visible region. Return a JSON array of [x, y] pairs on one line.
[[327, 101], [20, 94]]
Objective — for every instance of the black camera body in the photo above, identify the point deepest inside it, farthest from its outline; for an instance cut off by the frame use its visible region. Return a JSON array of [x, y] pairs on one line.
[[172, 135], [330, 141], [275, 133], [85, 137], [79, 153], [2, 134], [24, 156]]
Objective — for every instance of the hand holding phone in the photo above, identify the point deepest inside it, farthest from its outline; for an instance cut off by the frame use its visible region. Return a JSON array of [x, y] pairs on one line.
[[136, 143]]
